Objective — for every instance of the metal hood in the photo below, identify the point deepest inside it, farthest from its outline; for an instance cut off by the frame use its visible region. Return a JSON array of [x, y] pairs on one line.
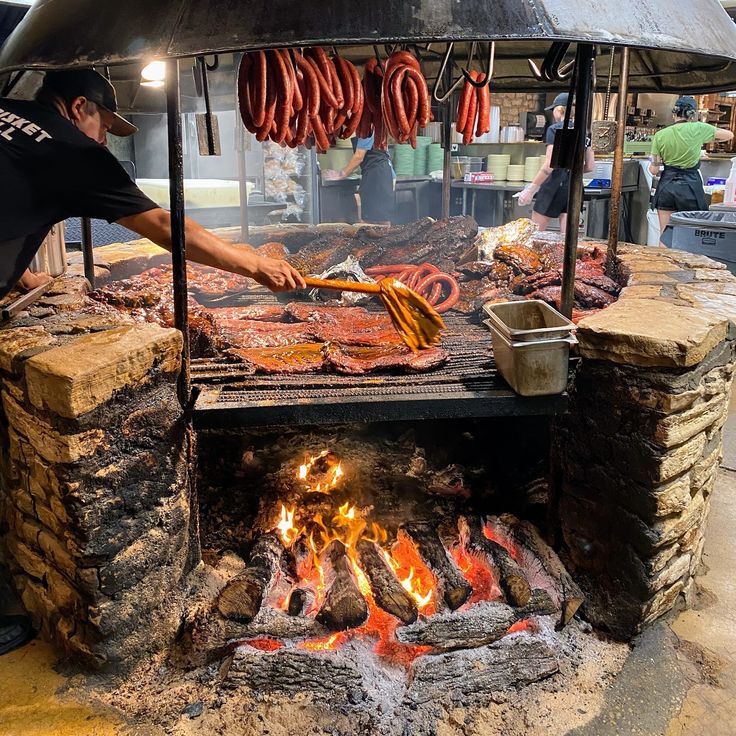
[[678, 46]]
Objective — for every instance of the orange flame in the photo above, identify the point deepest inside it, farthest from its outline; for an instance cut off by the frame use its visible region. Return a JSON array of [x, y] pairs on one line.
[[286, 526], [326, 479], [323, 645]]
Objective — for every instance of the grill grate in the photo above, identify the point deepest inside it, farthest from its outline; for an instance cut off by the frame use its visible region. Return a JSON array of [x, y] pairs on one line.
[[467, 386]]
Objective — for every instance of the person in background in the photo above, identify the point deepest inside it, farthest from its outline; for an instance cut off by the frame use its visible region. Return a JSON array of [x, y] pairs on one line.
[[678, 147], [54, 165], [552, 186], [377, 181]]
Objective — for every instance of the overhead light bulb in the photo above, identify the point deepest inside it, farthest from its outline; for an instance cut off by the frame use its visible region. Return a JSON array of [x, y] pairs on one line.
[[155, 71]]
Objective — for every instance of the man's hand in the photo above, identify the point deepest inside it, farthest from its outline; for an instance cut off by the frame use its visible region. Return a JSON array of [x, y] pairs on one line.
[[29, 280], [277, 275]]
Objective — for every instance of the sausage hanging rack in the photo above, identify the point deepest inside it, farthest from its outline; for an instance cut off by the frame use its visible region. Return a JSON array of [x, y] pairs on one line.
[[667, 54]]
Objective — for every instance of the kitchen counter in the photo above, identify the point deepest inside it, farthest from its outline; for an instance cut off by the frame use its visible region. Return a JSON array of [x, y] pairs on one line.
[[413, 199]]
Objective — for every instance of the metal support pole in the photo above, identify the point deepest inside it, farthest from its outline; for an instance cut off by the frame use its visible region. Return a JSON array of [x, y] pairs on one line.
[[583, 93], [618, 160], [178, 242], [88, 255]]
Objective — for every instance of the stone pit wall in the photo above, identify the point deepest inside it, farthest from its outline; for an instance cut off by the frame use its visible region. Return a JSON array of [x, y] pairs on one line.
[[94, 485], [637, 455]]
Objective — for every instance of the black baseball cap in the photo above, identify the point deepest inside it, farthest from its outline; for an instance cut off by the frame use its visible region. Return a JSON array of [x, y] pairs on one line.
[[96, 88], [686, 102], [559, 101]]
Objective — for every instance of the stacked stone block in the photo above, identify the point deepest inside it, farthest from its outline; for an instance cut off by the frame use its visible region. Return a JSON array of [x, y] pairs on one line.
[[94, 487]]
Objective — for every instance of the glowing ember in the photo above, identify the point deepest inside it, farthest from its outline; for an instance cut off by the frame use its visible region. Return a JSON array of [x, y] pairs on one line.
[[321, 472], [286, 526], [478, 573], [265, 645], [523, 625], [511, 548]]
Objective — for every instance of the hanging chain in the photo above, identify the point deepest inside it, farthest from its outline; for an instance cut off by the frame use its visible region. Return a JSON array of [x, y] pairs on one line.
[[610, 83]]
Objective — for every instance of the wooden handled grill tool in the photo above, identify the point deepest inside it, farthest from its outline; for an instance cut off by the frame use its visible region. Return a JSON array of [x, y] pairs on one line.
[[413, 316]]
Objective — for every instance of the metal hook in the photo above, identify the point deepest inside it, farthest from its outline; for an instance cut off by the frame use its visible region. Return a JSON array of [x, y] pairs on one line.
[[551, 70], [441, 74], [490, 62], [378, 59], [215, 65]]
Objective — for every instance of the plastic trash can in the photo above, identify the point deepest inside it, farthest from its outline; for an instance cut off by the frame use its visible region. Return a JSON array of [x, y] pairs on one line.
[[711, 234]]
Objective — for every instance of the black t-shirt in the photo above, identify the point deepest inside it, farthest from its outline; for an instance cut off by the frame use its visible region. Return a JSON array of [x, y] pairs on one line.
[[549, 137], [51, 171]]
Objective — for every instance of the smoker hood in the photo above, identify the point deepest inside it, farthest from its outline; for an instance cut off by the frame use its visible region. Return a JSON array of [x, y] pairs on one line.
[[677, 47]]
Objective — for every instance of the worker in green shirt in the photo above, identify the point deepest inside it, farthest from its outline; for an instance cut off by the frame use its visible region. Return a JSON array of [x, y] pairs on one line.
[[678, 148]]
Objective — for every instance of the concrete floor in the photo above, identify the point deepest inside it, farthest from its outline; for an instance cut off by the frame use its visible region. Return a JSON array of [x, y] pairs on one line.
[[680, 679]]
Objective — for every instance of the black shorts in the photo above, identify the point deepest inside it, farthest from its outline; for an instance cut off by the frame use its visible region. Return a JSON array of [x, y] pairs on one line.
[[680, 195], [551, 199]]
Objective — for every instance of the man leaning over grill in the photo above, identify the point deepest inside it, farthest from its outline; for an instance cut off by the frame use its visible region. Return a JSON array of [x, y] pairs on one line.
[[54, 165]]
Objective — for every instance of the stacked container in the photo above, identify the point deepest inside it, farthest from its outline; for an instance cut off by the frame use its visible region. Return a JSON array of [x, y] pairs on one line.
[[531, 345], [498, 164]]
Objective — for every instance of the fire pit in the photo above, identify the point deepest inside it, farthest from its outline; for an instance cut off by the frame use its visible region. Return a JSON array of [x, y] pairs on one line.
[[366, 565]]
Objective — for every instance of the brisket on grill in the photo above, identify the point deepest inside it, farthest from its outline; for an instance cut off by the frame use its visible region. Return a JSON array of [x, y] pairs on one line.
[[259, 312], [353, 316], [253, 334], [346, 325], [358, 360], [301, 358]]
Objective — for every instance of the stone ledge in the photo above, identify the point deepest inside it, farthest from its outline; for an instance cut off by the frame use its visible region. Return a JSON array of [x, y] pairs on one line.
[[15, 341], [649, 332], [123, 260], [76, 378]]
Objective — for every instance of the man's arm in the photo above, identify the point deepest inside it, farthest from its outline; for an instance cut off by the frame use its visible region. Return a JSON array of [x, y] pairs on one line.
[[526, 195], [206, 248], [29, 280], [722, 135], [354, 163]]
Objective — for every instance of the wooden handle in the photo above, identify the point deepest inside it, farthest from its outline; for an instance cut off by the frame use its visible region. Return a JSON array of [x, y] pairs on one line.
[[343, 285]]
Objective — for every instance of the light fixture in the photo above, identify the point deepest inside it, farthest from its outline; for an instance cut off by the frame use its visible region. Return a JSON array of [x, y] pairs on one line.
[[153, 83], [155, 71]]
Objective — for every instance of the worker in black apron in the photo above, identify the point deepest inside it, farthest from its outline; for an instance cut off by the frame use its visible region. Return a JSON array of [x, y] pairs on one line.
[[552, 186], [377, 180], [678, 148]]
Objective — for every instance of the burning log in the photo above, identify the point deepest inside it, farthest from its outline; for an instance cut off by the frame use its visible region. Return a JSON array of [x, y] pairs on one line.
[[454, 587], [481, 624], [344, 606], [387, 590], [241, 599], [511, 578], [299, 601], [527, 535]]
